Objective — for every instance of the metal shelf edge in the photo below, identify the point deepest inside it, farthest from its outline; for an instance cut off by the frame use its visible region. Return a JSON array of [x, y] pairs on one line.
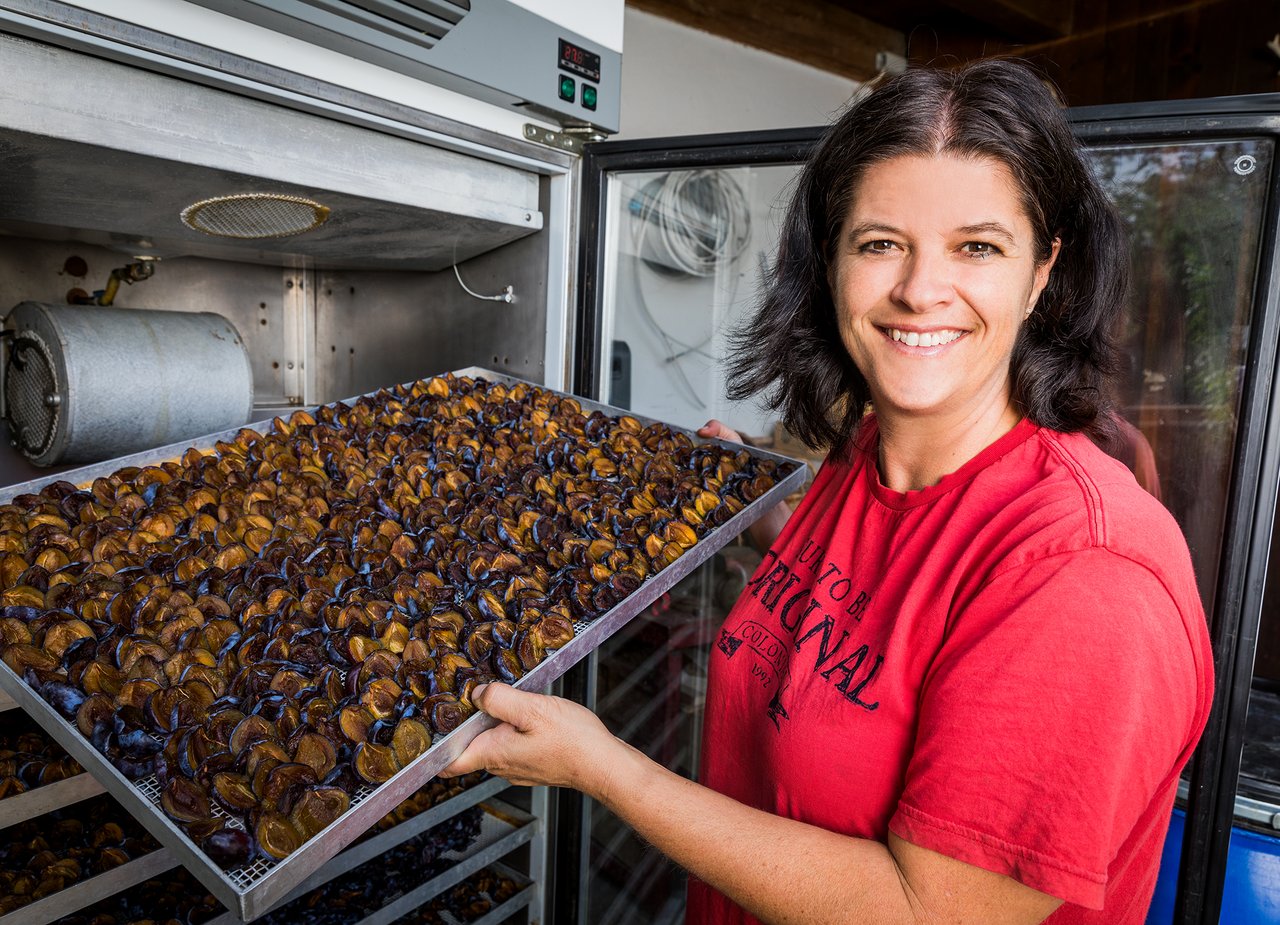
[[86, 892], [7, 702], [497, 839], [495, 836], [503, 912], [514, 904], [384, 841], [45, 799]]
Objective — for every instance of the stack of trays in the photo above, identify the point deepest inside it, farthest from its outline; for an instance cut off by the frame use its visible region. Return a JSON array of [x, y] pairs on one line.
[[262, 644]]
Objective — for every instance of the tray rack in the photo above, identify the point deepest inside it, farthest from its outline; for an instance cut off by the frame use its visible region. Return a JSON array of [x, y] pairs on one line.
[[254, 889]]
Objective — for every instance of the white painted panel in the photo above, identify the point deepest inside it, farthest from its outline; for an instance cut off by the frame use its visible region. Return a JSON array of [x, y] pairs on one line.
[[597, 20], [679, 81]]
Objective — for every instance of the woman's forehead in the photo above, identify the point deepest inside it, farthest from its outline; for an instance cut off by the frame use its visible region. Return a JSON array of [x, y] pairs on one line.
[[942, 188]]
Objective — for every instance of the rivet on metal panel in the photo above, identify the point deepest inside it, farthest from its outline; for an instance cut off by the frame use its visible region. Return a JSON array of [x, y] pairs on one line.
[[289, 365], [288, 284]]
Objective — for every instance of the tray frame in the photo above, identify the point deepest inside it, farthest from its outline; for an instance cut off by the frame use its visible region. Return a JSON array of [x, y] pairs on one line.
[[283, 877], [45, 799], [503, 829], [90, 890]]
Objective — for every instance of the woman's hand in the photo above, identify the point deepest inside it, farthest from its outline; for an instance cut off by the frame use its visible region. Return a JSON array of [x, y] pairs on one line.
[[540, 740], [716, 430], [766, 530]]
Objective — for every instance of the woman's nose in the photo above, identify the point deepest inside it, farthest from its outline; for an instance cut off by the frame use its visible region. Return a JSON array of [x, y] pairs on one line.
[[925, 283]]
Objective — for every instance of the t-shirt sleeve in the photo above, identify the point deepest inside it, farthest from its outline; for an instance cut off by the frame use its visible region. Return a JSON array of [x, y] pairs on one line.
[[1062, 697]]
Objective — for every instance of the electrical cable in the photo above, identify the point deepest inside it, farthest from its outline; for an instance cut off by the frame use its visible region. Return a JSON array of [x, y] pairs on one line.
[[690, 223], [507, 295]]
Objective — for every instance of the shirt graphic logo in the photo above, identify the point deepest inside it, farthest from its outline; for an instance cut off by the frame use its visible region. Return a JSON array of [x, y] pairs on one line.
[[818, 612], [728, 644]]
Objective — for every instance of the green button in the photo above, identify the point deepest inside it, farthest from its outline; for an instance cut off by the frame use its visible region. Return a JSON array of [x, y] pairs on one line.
[[589, 96], [568, 88]]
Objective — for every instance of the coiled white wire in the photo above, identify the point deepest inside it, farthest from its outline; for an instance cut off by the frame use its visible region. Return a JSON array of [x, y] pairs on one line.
[[701, 219], [691, 222]]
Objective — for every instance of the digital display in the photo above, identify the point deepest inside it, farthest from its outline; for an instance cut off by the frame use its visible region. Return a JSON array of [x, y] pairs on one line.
[[577, 59]]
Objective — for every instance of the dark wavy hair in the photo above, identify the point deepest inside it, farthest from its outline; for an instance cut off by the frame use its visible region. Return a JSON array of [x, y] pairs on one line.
[[790, 350]]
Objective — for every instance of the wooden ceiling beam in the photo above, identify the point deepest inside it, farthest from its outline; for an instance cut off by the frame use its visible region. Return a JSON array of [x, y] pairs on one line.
[[1020, 20], [811, 32]]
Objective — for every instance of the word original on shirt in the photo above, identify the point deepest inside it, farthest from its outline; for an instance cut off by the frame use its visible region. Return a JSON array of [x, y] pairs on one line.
[[811, 608]]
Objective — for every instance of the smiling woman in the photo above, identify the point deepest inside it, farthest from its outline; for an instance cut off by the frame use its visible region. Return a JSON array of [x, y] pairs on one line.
[[964, 680]]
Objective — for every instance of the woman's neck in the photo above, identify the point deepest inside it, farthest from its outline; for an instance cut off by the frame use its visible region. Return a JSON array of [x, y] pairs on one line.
[[916, 452]]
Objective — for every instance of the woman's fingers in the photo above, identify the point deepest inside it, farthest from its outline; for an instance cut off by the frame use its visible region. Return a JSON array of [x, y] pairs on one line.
[[503, 702], [540, 740], [718, 431], [473, 759]]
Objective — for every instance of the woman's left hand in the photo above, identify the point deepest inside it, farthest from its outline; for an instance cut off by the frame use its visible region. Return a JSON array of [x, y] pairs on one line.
[[540, 740]]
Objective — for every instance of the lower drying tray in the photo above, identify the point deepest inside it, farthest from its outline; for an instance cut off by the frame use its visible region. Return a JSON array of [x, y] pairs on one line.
[[251, 891]]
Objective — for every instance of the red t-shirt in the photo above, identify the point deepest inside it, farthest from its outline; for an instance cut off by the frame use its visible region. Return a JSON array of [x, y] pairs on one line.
[[1010, 667]]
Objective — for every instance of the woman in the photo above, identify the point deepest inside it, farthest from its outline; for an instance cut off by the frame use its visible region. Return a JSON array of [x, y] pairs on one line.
[[995, 663]]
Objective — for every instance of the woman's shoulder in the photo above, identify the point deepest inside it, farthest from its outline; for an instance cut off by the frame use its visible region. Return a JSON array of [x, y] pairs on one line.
[[1090, 493]]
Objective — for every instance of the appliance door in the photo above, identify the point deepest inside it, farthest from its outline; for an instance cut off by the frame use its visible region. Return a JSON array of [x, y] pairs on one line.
[[1196, 190], [677, 235]]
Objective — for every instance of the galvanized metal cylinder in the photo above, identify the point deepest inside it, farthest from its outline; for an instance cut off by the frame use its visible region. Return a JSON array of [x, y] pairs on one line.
[[86, 383]]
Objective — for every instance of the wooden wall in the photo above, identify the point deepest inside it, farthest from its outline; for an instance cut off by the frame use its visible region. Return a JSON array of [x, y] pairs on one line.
[[1134, 50], [1098, 51]]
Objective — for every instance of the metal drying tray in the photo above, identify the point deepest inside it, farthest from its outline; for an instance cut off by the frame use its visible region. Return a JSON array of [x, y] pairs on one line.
[[253, 890]]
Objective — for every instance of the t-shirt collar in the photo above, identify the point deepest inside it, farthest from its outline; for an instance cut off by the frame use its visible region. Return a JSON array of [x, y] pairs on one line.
[[867, 446]]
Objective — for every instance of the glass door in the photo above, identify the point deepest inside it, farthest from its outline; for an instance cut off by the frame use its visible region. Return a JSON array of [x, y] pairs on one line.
[[1195, 181], [1195, 213], [684, 250]]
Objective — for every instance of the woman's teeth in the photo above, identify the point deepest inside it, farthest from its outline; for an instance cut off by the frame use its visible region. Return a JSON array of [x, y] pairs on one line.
[[927, 339]]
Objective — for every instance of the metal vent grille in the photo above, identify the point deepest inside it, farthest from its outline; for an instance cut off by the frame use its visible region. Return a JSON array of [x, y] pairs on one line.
[[418, 22], [31, 394], [255, 215]]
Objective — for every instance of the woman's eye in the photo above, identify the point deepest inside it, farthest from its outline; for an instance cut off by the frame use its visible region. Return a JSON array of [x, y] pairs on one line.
[[876, 247], [979, 248]]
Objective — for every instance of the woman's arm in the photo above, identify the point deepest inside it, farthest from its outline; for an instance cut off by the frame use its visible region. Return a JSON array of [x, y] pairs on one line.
[[777, 869], [765, 530]]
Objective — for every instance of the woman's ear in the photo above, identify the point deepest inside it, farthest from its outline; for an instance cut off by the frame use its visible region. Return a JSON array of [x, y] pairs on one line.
[[1043, 269]]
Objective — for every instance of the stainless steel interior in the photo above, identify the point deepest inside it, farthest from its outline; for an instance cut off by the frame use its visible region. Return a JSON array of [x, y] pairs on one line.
[[367, 298]]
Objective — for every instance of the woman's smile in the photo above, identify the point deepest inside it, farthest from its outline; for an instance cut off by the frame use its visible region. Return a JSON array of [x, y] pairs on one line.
[[910, 337]]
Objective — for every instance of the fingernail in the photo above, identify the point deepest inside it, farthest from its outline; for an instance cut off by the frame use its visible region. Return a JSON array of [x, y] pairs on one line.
[[477, 691]]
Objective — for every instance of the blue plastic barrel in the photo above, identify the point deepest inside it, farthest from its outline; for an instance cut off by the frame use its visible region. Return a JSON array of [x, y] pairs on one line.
[[1251, 895]]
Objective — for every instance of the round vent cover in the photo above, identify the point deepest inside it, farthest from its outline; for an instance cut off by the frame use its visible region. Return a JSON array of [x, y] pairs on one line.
[[31, 395], [255, 215]]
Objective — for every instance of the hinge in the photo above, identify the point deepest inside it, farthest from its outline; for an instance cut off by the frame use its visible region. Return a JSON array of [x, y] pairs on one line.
[[553, 139]]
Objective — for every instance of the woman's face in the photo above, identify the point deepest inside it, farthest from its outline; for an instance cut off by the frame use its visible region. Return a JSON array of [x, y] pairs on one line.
[[933, 276]]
